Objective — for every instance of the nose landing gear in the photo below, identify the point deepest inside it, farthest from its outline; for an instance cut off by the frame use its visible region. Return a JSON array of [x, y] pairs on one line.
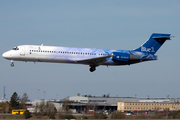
[[12, 63]]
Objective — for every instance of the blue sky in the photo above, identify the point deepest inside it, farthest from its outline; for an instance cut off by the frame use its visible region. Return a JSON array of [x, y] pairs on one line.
[[108, 24]]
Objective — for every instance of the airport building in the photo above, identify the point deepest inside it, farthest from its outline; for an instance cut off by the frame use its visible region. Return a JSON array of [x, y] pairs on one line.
[[147, 106], [105, 102]]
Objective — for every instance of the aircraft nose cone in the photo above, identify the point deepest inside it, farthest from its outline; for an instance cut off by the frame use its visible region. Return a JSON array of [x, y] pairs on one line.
[[5, 55]]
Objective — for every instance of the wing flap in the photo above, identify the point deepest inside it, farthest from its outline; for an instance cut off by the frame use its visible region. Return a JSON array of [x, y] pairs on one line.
[[95, 61]]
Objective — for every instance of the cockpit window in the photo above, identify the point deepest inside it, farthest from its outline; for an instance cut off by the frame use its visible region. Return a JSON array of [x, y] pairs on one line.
[[15, 48]]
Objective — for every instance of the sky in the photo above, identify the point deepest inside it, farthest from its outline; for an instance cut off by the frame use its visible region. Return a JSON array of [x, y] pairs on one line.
[[106, 24]]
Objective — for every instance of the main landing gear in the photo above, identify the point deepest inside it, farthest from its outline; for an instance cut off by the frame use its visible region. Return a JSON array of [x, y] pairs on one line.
[[12, 63], [92, 68]]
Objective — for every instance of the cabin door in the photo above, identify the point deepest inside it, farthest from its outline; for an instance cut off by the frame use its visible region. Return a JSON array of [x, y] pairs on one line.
[[22, 51]]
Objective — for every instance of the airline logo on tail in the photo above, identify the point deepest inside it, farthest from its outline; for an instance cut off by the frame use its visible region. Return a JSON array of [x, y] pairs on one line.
[[144, 49]]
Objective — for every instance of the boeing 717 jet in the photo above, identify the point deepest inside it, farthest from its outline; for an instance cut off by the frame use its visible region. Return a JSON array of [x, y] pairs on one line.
[[88, 56]]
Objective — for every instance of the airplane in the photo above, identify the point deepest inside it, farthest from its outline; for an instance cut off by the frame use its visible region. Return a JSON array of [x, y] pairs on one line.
[[88, 56]]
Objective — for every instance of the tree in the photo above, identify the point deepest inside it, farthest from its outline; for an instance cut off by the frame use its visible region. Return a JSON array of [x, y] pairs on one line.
[[166, 110], [46, 108], [14, 102], [176, 115], [91, 106], [23, 101], [50, 110], [66, 103], [27, 114], [99, 116], [40, 108], [4, 107], [68, 115], [117, 115]]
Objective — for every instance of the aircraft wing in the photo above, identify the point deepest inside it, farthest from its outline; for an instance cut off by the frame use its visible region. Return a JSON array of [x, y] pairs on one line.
[[96, 61]]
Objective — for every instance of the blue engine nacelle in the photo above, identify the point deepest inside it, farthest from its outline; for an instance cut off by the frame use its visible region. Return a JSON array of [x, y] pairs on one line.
[[124, 56]]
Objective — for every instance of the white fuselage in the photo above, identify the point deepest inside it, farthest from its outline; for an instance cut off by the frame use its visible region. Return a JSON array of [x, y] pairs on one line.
[[56, 54]]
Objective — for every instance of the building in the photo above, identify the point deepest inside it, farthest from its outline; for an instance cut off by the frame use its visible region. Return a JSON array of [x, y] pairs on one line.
[[105, 102], [4, 100], [147, 106]]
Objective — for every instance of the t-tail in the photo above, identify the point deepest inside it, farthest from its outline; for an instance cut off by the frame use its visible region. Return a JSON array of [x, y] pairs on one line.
[[152, 45]]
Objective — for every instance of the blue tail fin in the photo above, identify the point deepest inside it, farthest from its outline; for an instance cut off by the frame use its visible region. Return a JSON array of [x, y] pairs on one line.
[[152, 45]]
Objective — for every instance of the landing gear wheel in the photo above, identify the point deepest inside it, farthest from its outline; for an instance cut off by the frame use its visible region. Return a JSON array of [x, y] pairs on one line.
[[12, 64], [92, 69]]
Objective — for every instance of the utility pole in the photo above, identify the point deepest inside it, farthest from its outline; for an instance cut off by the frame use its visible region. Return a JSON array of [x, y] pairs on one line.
[[44, 95], [4, 97]]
